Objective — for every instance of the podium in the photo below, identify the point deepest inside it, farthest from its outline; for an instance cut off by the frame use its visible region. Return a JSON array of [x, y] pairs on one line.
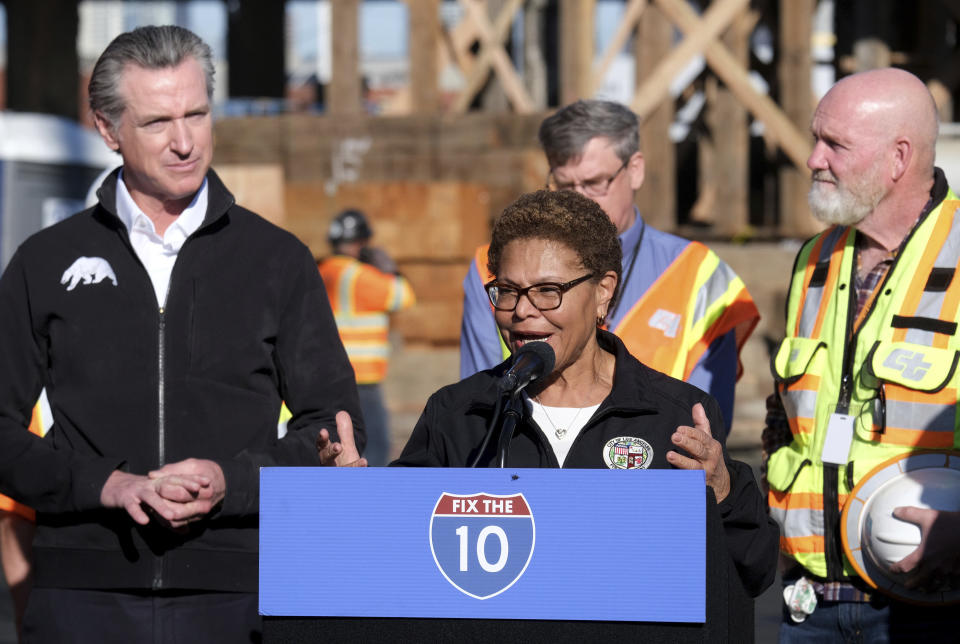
[[406, 554]]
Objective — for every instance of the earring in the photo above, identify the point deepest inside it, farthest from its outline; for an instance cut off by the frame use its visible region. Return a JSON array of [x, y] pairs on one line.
[[600, 320]]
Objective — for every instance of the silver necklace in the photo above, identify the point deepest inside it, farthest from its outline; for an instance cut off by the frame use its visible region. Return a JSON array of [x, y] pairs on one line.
[[559, 432]]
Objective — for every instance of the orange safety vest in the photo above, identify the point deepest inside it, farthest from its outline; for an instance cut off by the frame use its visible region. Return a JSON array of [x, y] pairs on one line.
[[697, 300], [361, 296]]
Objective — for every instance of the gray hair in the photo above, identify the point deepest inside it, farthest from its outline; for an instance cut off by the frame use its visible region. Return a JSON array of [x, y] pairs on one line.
[[564, 135], [148, 47]]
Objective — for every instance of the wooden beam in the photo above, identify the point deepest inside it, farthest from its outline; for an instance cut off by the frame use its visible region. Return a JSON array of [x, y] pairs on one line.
[[492, 55], [796, 97], [345, 95], [731, 136], [794, 144], [631, 16], [424, 42], [493, 98], [576, 49], [458, 40], [657, 197], [534, 59], [699, 34]]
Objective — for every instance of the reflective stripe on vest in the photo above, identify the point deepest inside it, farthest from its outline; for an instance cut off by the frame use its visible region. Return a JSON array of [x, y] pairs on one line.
[[695, 301], [364, 335], [803, 516], [360, 313], [904, 378]]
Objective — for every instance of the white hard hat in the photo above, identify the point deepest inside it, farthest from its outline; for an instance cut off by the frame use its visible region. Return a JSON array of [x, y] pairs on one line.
[[874, 539]]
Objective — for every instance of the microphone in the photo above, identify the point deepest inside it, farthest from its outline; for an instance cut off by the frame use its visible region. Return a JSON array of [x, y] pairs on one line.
[[532, 361]]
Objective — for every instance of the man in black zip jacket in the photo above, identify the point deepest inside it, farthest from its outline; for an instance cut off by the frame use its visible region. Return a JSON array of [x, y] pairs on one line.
[[167, 325]]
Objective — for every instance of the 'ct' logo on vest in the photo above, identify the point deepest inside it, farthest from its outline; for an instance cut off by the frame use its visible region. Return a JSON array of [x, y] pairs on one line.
[[910, 363], [482, 542]]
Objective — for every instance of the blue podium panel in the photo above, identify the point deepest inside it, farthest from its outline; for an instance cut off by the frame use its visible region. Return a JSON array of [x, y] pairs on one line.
[[611, 545]]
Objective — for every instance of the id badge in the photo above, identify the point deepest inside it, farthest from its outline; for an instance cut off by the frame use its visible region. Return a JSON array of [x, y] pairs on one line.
[[836, 446]]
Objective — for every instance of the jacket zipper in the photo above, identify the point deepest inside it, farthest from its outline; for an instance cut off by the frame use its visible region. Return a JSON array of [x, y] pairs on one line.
[[157, 582], [161, 411], [161, 451]]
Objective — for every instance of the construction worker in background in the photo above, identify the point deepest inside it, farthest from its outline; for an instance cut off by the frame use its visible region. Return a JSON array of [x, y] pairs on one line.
[[680, 309], [363, 286]]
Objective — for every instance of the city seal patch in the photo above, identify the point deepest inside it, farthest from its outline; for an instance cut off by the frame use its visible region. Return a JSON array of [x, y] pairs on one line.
[[627, 453], [482, 542]]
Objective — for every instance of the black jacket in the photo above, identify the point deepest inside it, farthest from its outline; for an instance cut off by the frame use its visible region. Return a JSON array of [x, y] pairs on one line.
[[643, 404], [246, 324]]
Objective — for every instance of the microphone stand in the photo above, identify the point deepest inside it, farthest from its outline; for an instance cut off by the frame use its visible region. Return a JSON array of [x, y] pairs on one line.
[[539, 360], [511, 416], [506, 416]]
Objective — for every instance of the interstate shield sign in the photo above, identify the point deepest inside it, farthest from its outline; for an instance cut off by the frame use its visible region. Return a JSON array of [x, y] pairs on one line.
[[482, 542]]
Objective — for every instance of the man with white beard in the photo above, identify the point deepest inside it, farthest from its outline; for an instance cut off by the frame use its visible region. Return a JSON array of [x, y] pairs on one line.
[[871, 312]]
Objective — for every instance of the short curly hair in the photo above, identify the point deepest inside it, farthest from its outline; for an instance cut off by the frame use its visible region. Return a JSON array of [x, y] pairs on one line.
[[562, 216]]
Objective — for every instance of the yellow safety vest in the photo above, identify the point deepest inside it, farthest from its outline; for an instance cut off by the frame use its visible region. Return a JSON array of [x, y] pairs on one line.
[[894, 370]]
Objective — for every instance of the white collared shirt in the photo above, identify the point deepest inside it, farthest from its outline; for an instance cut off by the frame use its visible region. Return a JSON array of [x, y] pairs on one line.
[[158, 254]]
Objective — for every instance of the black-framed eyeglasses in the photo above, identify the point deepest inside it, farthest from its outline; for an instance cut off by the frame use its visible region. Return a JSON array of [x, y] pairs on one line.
[[546, 296], [593, 188]]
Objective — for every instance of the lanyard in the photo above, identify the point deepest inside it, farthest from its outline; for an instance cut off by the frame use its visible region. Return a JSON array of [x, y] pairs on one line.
[[626, 278]]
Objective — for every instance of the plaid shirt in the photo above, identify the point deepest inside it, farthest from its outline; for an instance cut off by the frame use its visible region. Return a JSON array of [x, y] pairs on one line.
[[866, 284]]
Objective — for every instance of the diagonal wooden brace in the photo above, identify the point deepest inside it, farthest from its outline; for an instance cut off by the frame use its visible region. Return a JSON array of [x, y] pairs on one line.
[[699, 35], [493, 57], [631, 16], [795, 144]]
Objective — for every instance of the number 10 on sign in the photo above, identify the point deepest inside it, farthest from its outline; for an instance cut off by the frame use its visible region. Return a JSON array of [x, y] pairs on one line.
[[482, 543]]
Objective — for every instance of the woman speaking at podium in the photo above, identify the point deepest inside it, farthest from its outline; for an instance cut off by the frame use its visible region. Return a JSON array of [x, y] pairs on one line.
[[555, 258]]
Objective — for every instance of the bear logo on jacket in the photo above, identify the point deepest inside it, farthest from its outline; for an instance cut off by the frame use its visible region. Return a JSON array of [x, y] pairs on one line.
[[88, 270]]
